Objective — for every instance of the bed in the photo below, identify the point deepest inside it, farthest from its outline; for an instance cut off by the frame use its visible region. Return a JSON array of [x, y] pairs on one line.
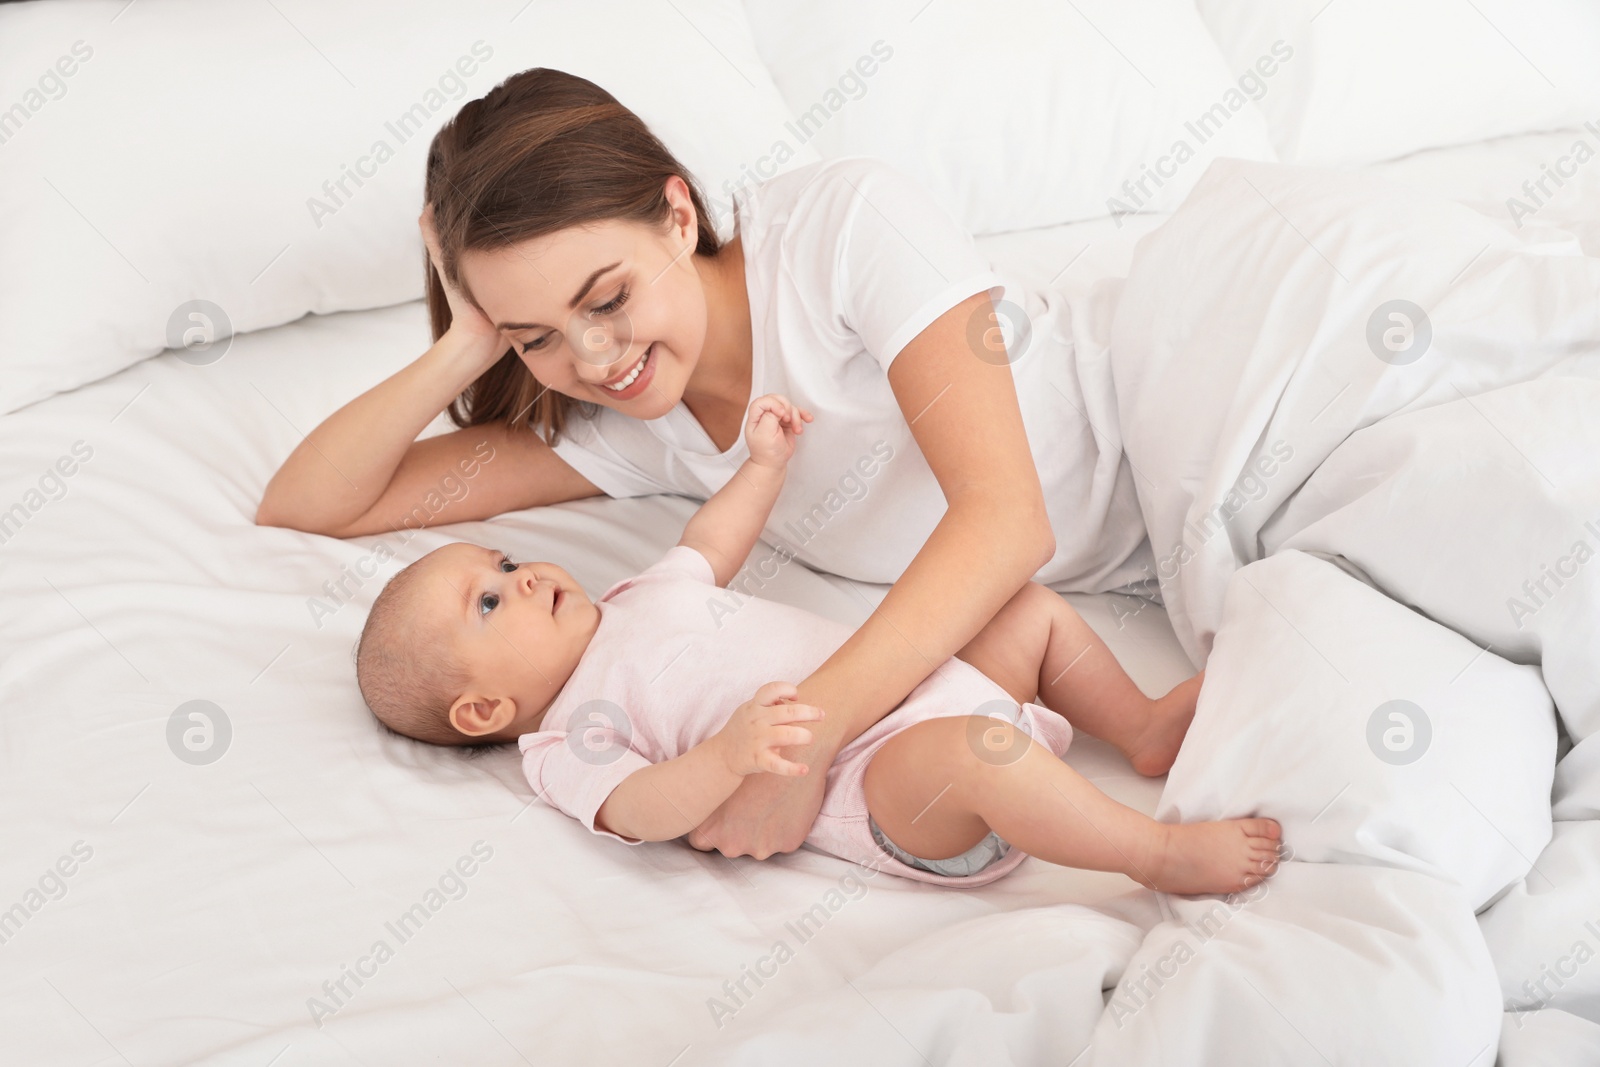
[[214, 856]]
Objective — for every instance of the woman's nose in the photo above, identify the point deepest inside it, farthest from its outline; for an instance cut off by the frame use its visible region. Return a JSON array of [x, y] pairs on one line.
[[596, 367], [595, 345]]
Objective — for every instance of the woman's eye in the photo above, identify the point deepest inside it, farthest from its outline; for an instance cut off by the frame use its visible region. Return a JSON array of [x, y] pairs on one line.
[[615, 305], [609, 308], [487, 603]]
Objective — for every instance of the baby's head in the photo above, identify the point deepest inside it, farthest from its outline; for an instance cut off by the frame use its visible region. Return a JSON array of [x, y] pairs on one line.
[[465, 647]]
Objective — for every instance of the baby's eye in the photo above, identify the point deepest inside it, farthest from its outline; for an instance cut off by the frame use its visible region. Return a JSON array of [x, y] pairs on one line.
[[507, 566], [487, 603]]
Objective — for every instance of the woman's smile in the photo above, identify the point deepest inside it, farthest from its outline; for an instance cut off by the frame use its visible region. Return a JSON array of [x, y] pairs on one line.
[[634, 380]]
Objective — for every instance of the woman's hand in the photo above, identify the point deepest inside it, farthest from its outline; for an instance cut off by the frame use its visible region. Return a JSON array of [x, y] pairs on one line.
[[770, 813], [771, 425], [749, 741], [767, 814], [466, 321]]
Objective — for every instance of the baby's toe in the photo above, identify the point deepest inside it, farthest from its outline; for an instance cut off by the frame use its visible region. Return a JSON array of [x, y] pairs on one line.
[[1262, 828], [1264, 860]]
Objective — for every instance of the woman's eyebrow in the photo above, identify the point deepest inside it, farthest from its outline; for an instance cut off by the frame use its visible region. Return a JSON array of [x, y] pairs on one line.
[[571, 304]]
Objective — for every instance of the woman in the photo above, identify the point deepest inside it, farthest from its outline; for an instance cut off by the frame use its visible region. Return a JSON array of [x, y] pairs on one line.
[[577, 284]]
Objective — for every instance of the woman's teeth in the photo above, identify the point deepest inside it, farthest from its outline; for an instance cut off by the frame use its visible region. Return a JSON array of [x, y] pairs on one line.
[[633, 374]]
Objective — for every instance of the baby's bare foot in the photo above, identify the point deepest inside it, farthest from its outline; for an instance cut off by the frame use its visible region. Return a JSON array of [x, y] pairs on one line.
[[1157, 746], [1212, 857]]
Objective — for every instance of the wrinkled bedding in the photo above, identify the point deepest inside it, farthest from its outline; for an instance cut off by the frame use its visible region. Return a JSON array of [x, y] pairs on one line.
[[217, 905], [1365, 425]]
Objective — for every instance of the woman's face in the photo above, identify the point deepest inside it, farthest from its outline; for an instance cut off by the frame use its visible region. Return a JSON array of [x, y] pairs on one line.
[[613, 313]]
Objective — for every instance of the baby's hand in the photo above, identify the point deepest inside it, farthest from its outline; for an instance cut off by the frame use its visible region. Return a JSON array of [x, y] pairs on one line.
[[771, 427], [750, 739]]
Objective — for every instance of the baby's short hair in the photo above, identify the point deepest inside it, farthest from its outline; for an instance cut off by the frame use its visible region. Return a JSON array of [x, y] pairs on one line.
[[404, 667]]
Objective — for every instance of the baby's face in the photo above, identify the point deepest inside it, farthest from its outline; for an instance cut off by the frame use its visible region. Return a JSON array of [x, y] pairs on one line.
[[518, 629]]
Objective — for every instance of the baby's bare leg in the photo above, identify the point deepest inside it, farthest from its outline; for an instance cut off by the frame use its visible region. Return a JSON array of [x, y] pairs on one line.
[[936, 792], [1038, 647]]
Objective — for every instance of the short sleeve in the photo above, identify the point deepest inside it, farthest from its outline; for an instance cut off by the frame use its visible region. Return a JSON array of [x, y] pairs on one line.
[[684, 561], [574, 771], [903, 260], [583, 446], [680, 561]]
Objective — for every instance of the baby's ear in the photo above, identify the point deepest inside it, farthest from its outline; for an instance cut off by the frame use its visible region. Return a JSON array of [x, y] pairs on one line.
[[476, 715]]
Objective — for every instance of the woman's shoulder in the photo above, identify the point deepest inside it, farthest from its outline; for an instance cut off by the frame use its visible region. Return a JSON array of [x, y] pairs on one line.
[[866, 255], [817, 220]]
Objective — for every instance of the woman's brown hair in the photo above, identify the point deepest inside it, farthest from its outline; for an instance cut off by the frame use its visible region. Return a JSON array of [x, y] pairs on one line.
[[541, 151]]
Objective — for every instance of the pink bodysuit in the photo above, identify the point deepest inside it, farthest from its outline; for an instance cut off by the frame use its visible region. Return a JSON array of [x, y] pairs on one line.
[[672, 658]]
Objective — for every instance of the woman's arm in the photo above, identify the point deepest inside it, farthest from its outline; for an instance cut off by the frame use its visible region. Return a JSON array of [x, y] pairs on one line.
[[363, 470], [993, 537]]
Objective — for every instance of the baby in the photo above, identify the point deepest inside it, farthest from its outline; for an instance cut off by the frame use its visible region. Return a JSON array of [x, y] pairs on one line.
[[634, 712]]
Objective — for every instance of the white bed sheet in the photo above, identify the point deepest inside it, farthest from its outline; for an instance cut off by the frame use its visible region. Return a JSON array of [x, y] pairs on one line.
[[216, 900]]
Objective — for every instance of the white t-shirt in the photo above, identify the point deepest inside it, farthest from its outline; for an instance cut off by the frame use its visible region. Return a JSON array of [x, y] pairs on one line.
[[847, 260]]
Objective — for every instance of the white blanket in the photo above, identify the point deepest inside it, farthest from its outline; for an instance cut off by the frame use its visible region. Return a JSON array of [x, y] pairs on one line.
[[1364, 427], [219, 901]]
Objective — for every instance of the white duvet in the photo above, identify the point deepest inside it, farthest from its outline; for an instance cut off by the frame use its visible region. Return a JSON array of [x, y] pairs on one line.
[[1366, 429]]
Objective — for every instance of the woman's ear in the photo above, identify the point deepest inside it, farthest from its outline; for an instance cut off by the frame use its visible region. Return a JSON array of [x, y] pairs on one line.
[[476, 715], [683, 224]]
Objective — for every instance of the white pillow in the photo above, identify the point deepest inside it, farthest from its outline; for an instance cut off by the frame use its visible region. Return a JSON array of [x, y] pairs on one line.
[[1377, 79], [1015, 114], [165, 152]]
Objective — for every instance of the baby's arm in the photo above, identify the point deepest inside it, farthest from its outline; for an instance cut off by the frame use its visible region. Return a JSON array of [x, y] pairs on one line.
[[666, 800], [727, 526]]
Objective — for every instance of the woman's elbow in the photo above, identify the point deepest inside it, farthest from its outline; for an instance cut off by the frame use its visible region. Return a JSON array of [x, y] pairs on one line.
[[1047, 548], [1036, 522], [270, 511], [264, 516], [1022, 527], [269, 514]]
